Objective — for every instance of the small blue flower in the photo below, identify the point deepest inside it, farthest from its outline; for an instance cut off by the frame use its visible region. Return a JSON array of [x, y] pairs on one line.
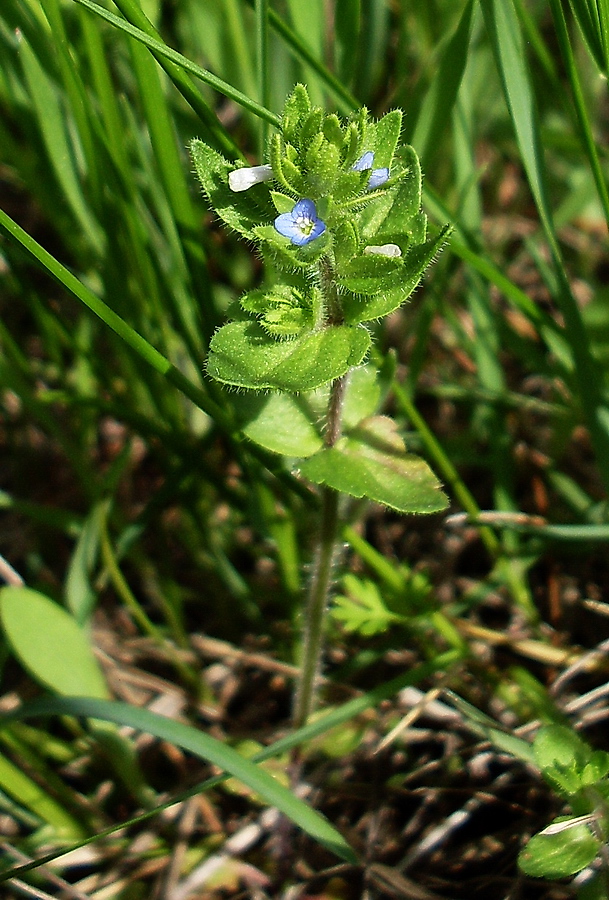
[[364, 162], [377, 176], [302, 225]]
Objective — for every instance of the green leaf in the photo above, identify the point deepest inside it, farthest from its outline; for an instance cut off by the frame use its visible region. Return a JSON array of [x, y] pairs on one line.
[[559, 855], [205, 747], [282, 311], [362, 396], [282, 423], [386, 137], [285, 170], [362, 609], [241, 353], [311, 128], [556, 744], [562, 756], [49, 643], [593, 19], [435, 114], [394, 207], [359, 309], [29, 794], [347, 31], [372, 274], [372, 462], [322, 167], [297, 108], [333, 131], [55, 136], [79, 594], [289, 423], [160, 49], [596, 768], [491, 731], [283, 203], [241, 211]]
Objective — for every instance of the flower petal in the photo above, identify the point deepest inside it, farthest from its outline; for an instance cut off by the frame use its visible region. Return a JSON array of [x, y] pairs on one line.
[[378, 177], [305, 209], [364, 162], [302, 224], [246, 177], [286, 225]]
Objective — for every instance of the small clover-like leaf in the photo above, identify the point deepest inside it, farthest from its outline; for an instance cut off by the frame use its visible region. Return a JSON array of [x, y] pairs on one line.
[[562, 756], [242, 354], [596, 768], [371, 461], [560, 854]]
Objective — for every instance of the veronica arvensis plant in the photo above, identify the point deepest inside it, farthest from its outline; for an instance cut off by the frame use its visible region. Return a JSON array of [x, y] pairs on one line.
[[337, 210]]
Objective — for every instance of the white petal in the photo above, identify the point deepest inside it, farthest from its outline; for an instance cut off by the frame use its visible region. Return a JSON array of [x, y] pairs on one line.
[[391, 250], [242, 179]]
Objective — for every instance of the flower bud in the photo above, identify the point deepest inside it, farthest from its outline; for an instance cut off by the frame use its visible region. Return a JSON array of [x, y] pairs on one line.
[[390, 250], [247, 177]]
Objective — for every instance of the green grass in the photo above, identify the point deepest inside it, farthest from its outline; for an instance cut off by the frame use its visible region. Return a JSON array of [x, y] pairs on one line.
[[128, 489]]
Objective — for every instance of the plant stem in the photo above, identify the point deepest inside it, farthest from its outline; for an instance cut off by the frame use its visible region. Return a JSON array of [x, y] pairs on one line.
[[321, 581], [325, 554]]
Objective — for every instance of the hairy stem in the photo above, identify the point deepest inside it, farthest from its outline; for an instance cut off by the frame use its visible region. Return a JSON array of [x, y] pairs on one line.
[[321, 581], [326, 548]]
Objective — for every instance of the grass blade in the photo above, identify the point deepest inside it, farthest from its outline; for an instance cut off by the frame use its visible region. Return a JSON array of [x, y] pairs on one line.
[[508, 48], [131, 337], [440, 99], [593, 20], [205, 747], [161, 49], [262, 64], [57, 144], [580, 104], [346, 101], [321, 725]]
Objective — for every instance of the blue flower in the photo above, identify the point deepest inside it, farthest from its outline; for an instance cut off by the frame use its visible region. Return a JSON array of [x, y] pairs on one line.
[[377, 176], [302, 225], [364, 162]]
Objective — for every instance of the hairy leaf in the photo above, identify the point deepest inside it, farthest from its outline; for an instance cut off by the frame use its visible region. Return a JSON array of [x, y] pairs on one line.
[[372, 462], [243, 354]]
